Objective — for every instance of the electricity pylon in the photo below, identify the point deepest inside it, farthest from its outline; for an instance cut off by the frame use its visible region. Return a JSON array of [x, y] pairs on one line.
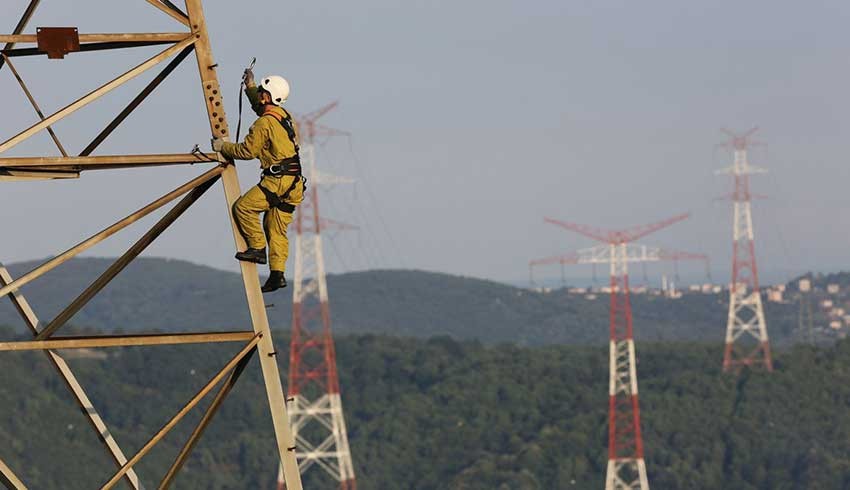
[[746, 329], [191, 36], [626, 464], [805, 321], [315, 406]]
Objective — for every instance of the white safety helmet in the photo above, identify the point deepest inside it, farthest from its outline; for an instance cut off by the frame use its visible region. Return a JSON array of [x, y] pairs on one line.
[[277, 86]]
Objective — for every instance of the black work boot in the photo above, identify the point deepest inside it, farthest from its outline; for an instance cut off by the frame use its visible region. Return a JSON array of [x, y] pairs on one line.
[[255, 255], [274, 282]]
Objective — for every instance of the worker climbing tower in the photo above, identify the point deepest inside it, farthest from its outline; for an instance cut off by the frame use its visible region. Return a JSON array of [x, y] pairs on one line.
[[746, 329], [315, 406], [190, 36], [626, 465]]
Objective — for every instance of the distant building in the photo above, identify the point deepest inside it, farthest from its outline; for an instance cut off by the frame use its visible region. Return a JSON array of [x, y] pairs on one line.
[[694, 288], [833, 288], [590, 296], [835, 324], [826, 304], [774, 295], [805, 285]]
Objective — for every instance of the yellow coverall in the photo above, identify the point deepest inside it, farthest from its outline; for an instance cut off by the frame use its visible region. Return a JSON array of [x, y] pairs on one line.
[[268, 141]]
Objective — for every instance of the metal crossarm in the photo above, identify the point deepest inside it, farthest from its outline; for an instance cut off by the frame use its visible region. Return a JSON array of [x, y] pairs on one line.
[[626, 465]]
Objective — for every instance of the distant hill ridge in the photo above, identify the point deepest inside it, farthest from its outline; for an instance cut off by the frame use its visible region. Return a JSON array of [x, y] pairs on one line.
[[175, 295]]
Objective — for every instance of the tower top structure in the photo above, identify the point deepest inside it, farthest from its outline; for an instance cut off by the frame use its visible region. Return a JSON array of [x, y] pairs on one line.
[[746, 328]]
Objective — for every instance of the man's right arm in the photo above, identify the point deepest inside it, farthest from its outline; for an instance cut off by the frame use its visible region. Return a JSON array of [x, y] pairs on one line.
[[253, 144]]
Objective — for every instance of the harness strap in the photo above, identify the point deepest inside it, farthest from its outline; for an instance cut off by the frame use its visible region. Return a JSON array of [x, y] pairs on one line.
[[286, 122], [279, 202], [287, 166]]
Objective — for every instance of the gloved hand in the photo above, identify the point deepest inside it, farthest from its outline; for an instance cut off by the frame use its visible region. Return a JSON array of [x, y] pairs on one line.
[[217, 144], [248, 77]]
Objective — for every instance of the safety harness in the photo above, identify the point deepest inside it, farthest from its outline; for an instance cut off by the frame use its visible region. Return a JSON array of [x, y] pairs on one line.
[[287, 166]]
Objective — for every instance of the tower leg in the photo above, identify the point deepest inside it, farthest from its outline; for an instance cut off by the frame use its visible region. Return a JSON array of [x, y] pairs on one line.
[[266, 351], [626, 467]]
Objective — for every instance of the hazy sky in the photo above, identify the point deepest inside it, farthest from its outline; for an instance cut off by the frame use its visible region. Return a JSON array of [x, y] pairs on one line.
[[471, 120]]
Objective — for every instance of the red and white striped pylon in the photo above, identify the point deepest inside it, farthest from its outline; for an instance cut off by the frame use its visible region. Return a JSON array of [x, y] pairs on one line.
[[626, 464], [315, 405], [747, 343]]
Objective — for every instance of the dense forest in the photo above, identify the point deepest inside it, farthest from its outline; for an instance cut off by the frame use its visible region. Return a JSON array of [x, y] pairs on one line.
[[173, 295], [448, 414]]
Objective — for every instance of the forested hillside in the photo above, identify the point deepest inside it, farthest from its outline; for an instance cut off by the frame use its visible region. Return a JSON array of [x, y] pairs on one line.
[[174, 295], [443, 414]]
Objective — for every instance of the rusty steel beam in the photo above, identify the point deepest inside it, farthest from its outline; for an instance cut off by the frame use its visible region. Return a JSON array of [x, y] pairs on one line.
[[123, 261], [171, 10], [22, 24], [109, 231], [136, 101], [126, 341], [256, 305], [205, 421], [96, 94], [12, 175], [86, 162], [8, 478], [84, 48], [83, 402], [182, 413], [34, 104], [172, 37]]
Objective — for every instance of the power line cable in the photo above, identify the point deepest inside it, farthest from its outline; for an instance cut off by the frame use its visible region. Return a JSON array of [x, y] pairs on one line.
[[359, 167]]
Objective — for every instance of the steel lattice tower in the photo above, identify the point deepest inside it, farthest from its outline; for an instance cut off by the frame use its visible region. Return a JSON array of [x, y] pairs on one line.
[[746, 329], [315, 406], [191, 36], [806, 321], [626, 464]]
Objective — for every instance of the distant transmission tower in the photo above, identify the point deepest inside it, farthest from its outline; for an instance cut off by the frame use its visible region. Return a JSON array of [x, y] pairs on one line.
[[626, 465], [746, 330], [805, 322], [315, 408]]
